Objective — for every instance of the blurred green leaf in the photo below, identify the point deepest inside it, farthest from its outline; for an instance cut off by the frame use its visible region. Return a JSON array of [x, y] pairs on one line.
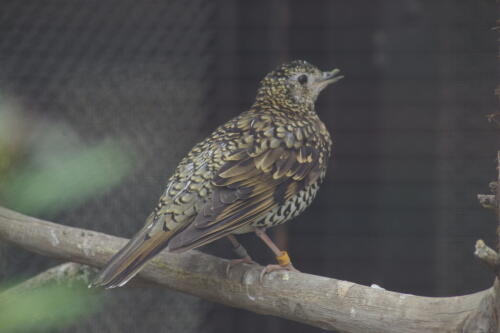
[[70, 178], [45, 308], [45, 167]]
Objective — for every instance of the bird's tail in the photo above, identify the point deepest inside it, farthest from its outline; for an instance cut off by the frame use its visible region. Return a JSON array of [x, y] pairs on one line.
[[129, 260]]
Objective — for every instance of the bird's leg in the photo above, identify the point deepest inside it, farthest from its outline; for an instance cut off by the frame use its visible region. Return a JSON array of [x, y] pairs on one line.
[[281, 256], [241, 252]]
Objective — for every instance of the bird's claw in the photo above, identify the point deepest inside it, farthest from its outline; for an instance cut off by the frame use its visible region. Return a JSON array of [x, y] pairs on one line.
[[234, 262], [272, 268]]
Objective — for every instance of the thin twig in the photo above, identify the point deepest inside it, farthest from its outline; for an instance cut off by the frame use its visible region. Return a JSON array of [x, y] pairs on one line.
[[66, 273], [498, 200], [487, 255], [488, 201]]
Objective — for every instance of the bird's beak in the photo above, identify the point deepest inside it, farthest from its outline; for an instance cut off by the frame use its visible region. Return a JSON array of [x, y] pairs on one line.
[[326, 79], [330, 76]]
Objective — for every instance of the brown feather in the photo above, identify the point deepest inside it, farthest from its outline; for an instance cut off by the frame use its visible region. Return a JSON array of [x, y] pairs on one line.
[[128, 261], [264, 190]]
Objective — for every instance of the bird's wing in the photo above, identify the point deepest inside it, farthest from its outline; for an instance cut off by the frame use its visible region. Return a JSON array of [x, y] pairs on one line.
[[178, 203], [246, 188]]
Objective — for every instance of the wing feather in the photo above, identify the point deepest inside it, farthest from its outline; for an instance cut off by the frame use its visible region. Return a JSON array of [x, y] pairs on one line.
[[247, 187]]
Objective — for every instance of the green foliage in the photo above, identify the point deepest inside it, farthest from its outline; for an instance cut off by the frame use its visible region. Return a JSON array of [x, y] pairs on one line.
[[45, 308], [67, 179], [45, 167]]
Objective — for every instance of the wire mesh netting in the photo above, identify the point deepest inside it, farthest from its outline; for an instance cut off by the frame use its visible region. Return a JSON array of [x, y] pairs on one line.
[[137, 72], [412, 146]]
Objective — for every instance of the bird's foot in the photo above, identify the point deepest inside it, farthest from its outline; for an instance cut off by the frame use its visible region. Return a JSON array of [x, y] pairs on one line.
[[284, 265], [273, 268], [234, 262]]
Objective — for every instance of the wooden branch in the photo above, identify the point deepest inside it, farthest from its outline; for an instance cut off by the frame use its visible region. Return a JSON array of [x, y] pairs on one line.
[[496, 187], [487, 255], [318, 301], [488, 201], [65, 273]]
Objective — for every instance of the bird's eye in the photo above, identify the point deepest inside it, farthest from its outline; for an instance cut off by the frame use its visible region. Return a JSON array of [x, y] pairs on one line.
[[302, 79]]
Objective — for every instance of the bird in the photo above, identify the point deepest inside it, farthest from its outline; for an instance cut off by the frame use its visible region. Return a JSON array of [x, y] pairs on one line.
[[258, 170]]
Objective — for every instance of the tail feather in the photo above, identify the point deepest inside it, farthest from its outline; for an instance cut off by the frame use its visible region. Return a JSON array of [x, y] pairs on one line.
[[129, 260]]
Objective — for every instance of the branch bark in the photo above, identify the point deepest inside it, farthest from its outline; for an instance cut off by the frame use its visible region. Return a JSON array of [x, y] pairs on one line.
[[65, 273], [487, 255], [487, 200], [318, 301]]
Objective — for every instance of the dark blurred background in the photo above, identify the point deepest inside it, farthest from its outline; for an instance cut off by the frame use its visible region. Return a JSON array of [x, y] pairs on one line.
[[412, 144]]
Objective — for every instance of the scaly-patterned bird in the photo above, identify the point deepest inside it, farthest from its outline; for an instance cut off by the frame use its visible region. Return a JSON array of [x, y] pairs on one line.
[[256, 171]]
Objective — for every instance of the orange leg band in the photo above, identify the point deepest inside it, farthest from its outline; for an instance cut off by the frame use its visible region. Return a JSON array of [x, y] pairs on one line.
[[283, 259]]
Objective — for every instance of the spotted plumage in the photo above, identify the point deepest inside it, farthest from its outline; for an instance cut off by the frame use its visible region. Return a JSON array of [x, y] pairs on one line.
[[256, 171]]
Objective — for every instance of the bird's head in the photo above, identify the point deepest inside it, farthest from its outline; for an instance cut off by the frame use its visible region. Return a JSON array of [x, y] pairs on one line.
[[295, 85]]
